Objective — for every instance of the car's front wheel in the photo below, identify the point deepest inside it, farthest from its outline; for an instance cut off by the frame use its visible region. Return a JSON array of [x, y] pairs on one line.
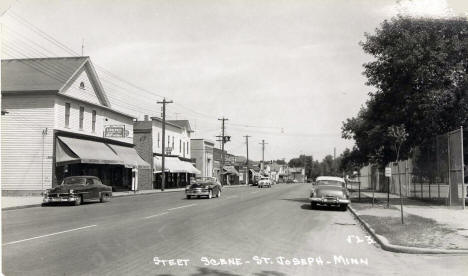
[[343, 207], [210, 194], [218, 195], [189, 197], [78, 201], [313, 205]]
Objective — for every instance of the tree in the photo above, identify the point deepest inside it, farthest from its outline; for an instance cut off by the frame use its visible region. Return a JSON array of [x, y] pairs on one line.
[[420, 77]]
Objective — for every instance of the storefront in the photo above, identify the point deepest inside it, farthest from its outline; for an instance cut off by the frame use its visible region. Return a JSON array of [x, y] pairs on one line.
[[114, 163], [177, 172], [230, 175]]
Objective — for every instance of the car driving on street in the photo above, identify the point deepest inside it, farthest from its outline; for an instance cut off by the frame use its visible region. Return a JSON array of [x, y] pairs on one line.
[[204, 187], [77, 189], [264, 182]]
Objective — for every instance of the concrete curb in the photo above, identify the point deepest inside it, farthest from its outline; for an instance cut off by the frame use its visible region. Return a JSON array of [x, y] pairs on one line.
[[152, 193], [121, 195], [386, 245], [21, 207]]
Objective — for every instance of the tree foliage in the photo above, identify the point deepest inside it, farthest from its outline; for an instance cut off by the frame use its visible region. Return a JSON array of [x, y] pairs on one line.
[[420, 75]]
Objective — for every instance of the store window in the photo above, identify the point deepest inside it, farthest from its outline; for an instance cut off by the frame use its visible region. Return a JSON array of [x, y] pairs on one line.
[[94, 121], [81, 117], [67, 114]]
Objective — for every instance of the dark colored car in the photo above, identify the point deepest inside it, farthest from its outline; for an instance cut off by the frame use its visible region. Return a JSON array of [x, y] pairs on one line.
[[205, 186], [328, 195], [77, 189]]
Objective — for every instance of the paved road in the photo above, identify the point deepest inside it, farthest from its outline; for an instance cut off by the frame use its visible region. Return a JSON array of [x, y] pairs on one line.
[[126, 236]]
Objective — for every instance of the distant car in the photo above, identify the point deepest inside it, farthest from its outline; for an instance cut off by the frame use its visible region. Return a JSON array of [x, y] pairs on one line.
[[77, 189], [264, 182], [204, 187], [295, 181], [329, 195]]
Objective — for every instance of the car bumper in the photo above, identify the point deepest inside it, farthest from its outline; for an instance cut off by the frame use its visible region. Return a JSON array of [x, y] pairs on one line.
[[325, 201], [67, 198], [197, 193]]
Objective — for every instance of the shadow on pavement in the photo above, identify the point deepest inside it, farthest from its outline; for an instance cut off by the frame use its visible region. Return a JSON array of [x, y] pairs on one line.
[[321, 208], [301, 199], [208, 271], [396, 201], [269, 273]]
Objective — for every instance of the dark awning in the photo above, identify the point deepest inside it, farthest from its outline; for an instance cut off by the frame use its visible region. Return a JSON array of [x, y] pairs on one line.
[[73, 150], [130, 157], [230, 170]]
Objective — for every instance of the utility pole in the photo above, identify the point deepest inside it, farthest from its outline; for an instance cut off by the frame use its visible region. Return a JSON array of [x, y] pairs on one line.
[[263, 152], [163, 150], [247, 163], [223, 141]]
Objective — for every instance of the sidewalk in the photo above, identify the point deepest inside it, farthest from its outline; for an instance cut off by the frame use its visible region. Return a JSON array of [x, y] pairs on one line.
[[427, 226], [19, 202]]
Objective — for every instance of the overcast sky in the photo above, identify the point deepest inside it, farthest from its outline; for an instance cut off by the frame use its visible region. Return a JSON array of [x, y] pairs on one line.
[[288, 72]]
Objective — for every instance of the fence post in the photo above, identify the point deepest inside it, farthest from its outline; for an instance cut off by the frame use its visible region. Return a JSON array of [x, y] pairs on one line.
[[462, 168]]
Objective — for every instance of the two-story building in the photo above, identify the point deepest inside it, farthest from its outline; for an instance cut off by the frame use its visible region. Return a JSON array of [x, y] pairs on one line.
[[202, 152], [61, 123], [178, 167]]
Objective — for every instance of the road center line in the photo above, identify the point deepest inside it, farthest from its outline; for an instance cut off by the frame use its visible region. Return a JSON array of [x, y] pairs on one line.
[[157, 215], [185, 206], [52, 234]]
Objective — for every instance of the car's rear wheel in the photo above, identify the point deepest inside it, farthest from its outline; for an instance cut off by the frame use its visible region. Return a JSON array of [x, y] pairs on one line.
[[189, 197], [313, 205], [104, 197], [210, 194], [78, 201]]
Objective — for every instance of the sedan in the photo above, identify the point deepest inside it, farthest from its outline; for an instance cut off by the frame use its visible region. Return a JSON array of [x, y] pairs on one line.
[[77, 189], [204, 187], [264, 182], [327, 195]]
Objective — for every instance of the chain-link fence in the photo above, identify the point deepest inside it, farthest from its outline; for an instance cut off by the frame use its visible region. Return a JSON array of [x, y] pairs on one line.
[[435, 172]]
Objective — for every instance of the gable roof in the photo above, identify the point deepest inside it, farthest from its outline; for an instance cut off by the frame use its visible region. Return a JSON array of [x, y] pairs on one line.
[[48, 74], [182, 123]]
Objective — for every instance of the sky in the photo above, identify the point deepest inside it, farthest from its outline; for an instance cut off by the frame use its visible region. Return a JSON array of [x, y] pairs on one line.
[[287, 72]]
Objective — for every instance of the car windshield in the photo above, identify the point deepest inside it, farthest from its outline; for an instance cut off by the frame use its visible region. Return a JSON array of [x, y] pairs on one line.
[[199, 185], [330, 183], [74, 180]]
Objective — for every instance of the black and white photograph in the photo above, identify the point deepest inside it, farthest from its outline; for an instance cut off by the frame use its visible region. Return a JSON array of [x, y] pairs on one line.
[[234, 137]]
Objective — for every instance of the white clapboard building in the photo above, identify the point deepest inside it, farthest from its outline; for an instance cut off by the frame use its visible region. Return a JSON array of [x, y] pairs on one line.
[[59, 122]]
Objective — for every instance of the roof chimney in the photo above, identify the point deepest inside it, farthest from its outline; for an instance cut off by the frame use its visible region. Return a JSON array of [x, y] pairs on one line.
[[146, 117]]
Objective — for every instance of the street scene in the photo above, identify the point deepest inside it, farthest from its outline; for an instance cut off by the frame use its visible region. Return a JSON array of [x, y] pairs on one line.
[[265, 138]]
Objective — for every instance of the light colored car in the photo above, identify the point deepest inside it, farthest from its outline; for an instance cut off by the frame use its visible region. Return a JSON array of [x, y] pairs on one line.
[[329, 195], [264, 182], [329, 190]]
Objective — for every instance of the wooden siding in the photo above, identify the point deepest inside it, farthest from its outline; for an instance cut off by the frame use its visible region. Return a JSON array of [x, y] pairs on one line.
[[172, 131], [22, 141], [101, 116], [87, 93]]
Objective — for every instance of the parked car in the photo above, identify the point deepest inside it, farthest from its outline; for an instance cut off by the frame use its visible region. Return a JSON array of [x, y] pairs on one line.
[[331, 181], [328, 195], [77, 189], [203, 186], [264, 182]]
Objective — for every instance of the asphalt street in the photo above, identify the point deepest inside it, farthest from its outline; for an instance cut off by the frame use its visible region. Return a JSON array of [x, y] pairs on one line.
[[248, 231]]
